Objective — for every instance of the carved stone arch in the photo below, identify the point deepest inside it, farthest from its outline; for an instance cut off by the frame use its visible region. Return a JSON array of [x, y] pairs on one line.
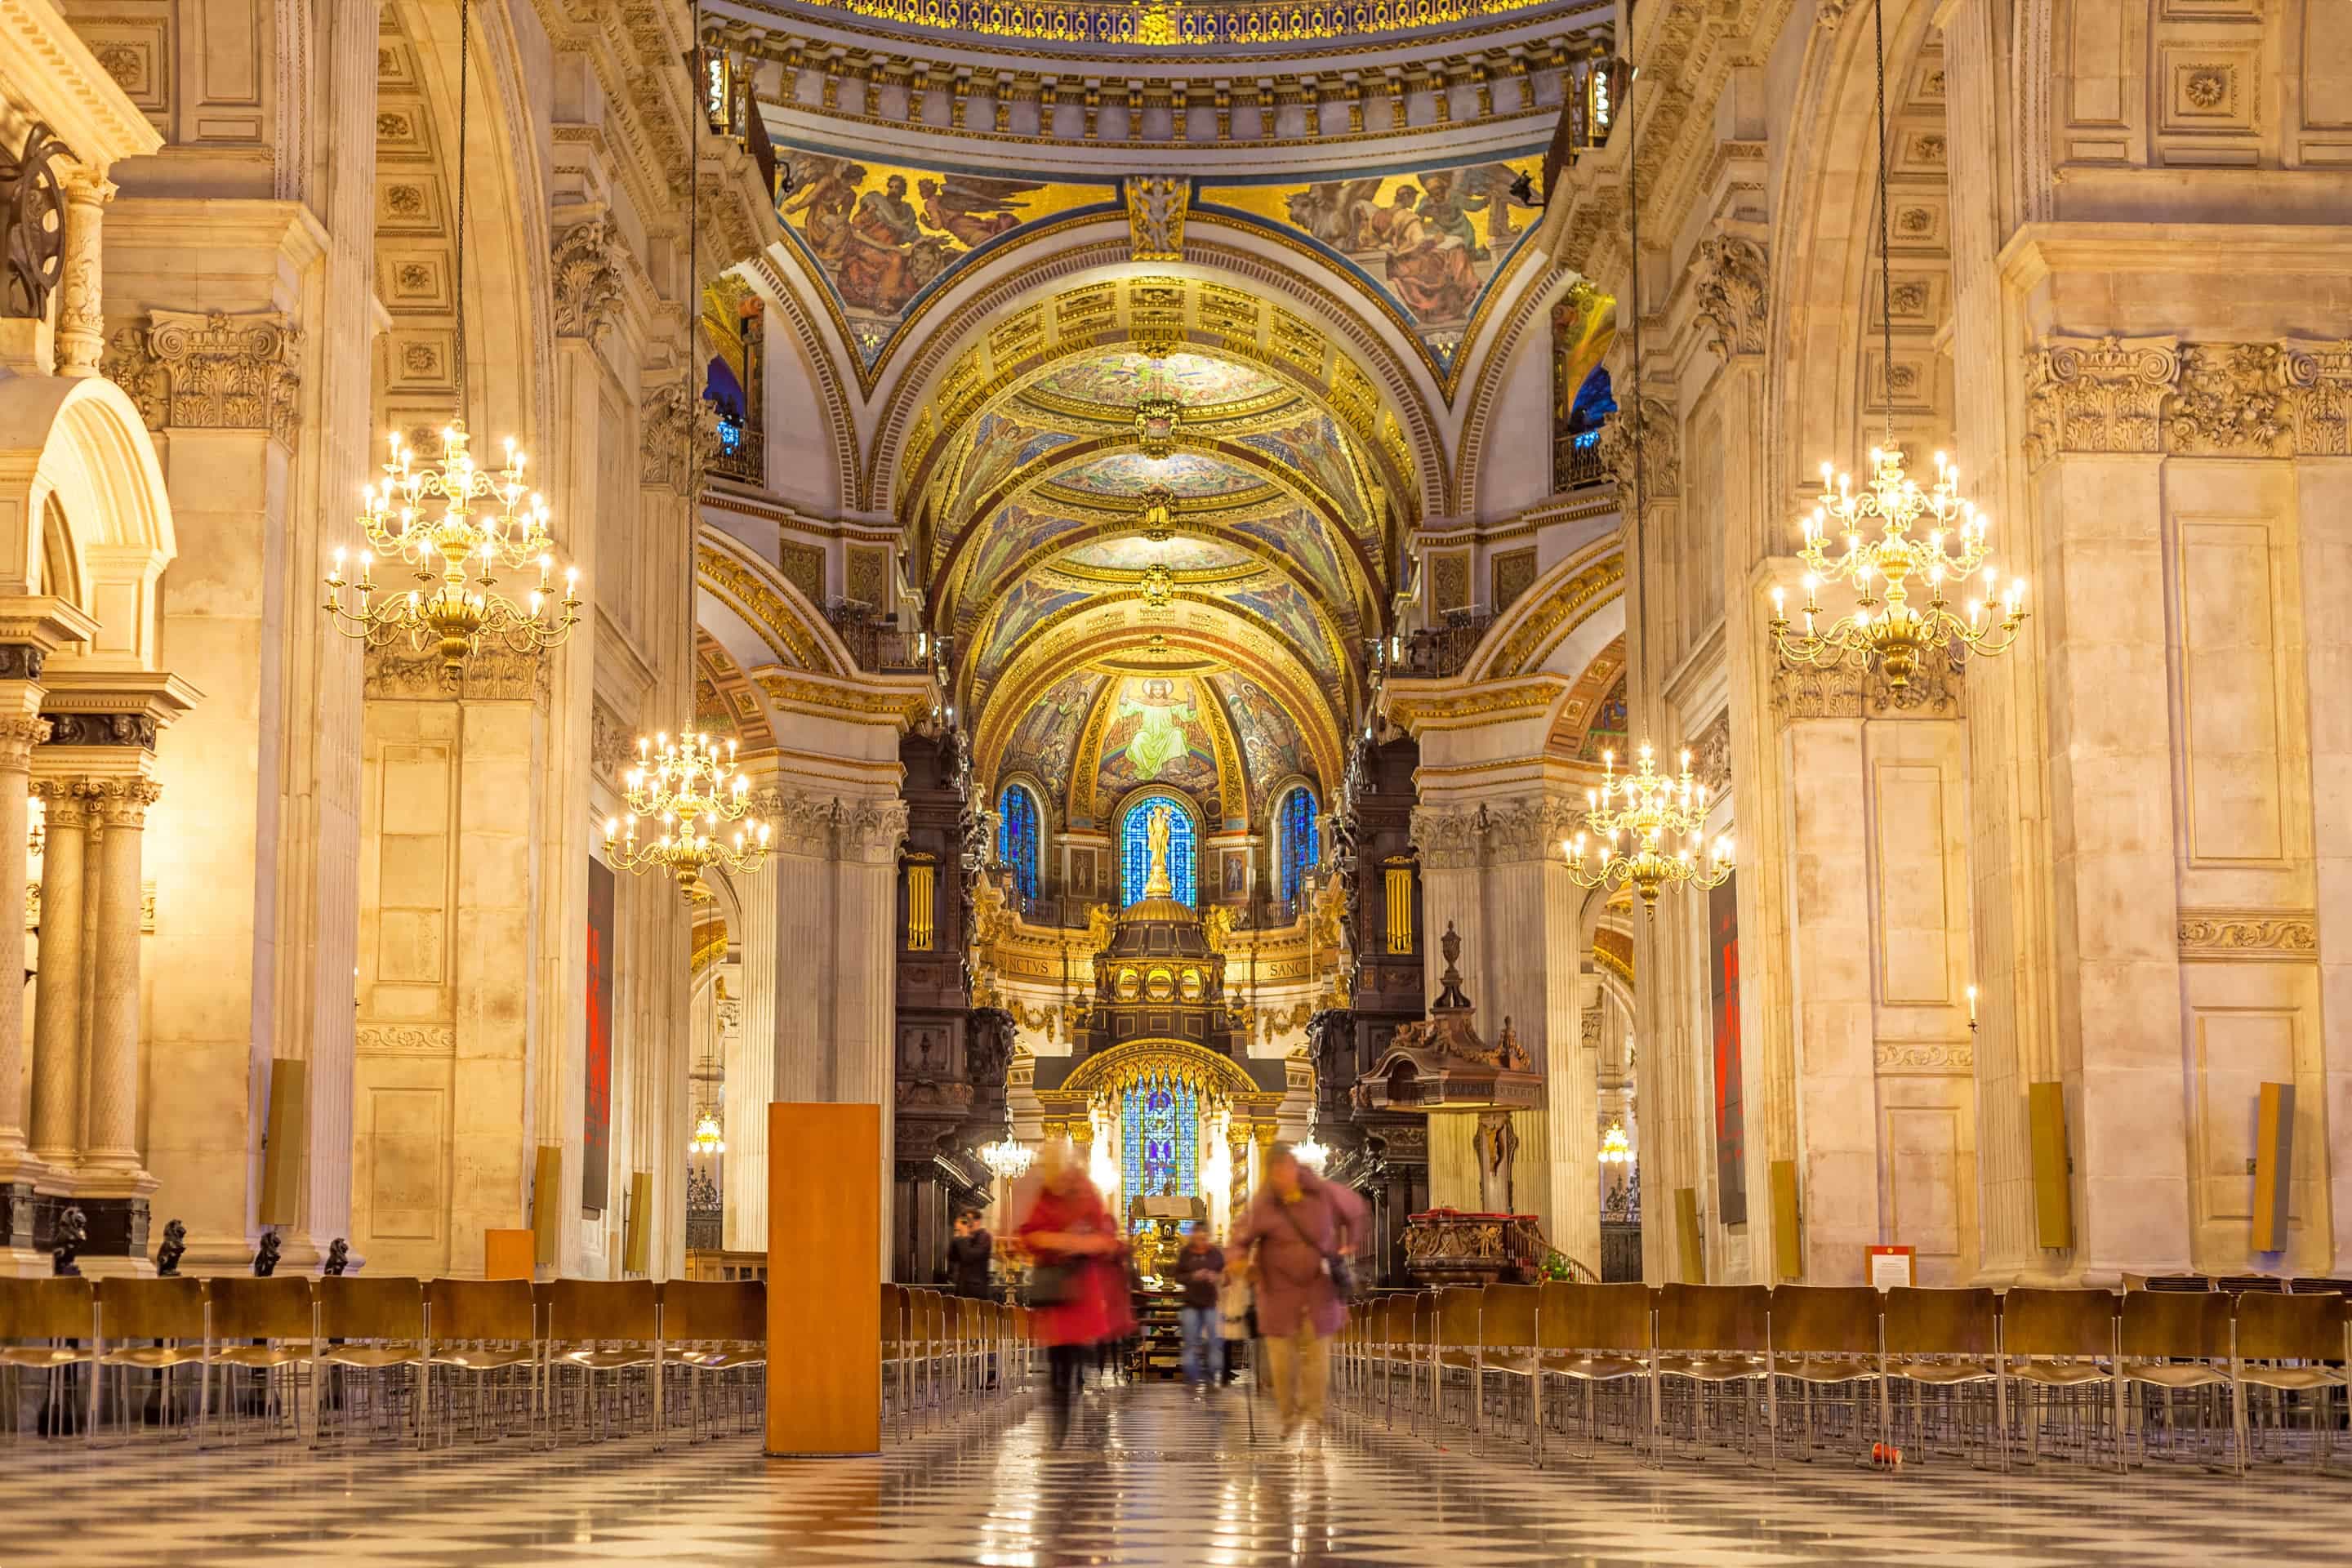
[[1000, 286], [1566, 601], [1531, 304], [792, 633]]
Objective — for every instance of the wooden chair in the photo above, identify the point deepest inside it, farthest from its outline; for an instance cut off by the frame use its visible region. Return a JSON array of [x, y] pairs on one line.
[[1825, 1343], [153, 1326], [1507, 1346], [607, 1331], [1454, 1348], [50, 1327], [264, 1344], [1717, 1340], [894, 1349], [484, 1340], [2058, 1360], [2173, 1344], [367, 1351], [1593, 1337], [1945, 1347], [716, 1330], [2284, 1347]]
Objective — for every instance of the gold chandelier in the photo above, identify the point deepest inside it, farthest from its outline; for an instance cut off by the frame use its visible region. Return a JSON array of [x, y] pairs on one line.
[[1616, 1148], [686, 785], [1885, 629], [707, 1139], [693, 790], [459, 556], [1651, 842]]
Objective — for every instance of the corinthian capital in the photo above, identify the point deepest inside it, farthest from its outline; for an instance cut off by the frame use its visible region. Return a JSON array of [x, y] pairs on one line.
[[1730, 282], [871, 830], [2098, 396], [1530, 827], [1446, 836]]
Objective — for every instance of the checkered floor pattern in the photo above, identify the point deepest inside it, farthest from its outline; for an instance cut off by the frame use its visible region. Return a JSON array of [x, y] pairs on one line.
[[1152, 1475]]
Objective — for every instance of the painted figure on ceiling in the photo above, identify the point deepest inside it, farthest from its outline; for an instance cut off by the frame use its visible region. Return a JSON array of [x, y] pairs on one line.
[[973, 210], [1429, 267], [1159, 732]]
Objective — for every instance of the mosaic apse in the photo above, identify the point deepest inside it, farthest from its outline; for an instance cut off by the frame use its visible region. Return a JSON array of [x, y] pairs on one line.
[[882, 235], [1156, 734], [1429, 240]]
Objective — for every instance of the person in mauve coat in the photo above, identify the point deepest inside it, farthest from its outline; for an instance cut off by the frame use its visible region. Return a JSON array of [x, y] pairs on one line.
[[1296, 1223]]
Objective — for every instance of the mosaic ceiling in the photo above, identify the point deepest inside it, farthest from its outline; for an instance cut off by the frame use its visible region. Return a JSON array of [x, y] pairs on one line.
[[1187, 475], [1108, 385]]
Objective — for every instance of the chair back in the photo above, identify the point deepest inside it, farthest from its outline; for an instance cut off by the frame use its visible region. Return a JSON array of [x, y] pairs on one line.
[[1619, 1317], [2166, 1325], [1457, 1317], [1923, 1321], [151, 1308], [353, 1307], [894, 1315], [1506, 1316], [482, 1309], [2290, 1328], [731, 1310], [277, 1308], [1825, 1320], [1397, 1319], [46, 1309], [1714, 1316], [581, 1310], [2040, 1321]]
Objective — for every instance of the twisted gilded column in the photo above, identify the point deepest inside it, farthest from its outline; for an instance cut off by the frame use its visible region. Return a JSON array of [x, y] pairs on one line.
[[19, 733], [122, 805], [57, 996]]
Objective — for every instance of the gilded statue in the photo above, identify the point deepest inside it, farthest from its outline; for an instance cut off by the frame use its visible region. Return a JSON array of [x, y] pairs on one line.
[[1157, 827]]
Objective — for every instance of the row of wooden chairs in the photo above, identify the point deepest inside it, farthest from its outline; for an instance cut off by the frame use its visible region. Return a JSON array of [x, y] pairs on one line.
[[396, 1359], [1855, 1373], [942, 1354]]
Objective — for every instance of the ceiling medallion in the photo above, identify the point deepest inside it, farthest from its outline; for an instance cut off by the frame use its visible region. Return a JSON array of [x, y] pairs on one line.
[[1156, 421], [1158, 589], [1158, 515]]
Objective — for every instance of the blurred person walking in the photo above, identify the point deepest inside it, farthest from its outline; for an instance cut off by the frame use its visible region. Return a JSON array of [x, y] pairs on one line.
[[1078, 1285], [1298, 1232], [1199, 1271]]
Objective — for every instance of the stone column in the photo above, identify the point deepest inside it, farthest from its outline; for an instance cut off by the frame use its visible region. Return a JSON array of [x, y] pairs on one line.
[[81, 315], [113, 1186], [866, 975], [56, 1003], [19, 733], [751, 1051]]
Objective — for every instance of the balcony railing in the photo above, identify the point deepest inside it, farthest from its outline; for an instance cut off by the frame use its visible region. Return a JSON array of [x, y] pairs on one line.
[[876, 643], [1436, 652], [740, 453], [1580, 462]]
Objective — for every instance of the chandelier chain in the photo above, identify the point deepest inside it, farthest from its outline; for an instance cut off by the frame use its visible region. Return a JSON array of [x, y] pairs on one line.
[[1886, 266], [465, 64]]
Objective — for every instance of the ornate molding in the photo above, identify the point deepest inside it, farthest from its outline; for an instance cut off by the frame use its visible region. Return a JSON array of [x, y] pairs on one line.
[[1446, 836], [123, 802], [608, 742], [586, 276], [1155, 214], [872, 830], [2320, 375], [662, 437], [2230, 397], [22, 662], [19, 735], [2097, 395], [491, 675], [1927, 1058], [1850, 691], [1730, 294], [1662, 472], [2291, 935], [1711, 755], [209, 372], [138, 730], [1530, 827], [861, 831], [405, 1040]]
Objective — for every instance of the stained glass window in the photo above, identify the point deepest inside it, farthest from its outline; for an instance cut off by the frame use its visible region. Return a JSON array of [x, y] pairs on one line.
[[1161, 1142], [1135, 850], [1295, 836], [1016, 837], [1595, 402]]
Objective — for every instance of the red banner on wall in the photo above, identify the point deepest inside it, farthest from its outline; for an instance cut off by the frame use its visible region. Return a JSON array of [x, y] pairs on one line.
[[596, 1136], [1730, 1117]]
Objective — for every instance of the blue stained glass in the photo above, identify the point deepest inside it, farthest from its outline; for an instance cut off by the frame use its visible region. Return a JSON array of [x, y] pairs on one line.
[[1302, 849], [1016, 837], [1160, 1123], [1135, 850], [1593, 403]]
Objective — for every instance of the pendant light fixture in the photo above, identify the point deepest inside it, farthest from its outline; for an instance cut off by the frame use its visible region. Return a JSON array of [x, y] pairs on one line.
[[459, 528], [1644, 831], [693, 790], [1886, 630]]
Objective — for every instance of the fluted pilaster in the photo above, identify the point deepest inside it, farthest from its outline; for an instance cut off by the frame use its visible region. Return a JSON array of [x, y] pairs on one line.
[[113, 1153], [19, 735], [57, 996]]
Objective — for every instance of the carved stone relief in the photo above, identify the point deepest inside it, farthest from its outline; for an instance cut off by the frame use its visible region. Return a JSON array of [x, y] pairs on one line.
[[2287, 934], [1662, 469], [2148, 396], [587, 278], [1730, 293], [210, 372]]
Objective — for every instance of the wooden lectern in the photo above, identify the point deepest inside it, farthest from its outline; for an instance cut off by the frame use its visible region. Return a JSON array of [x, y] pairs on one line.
[[824, 1293]]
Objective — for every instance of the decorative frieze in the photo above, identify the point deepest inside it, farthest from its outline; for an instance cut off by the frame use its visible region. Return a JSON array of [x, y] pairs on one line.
[[1847, 691], [1155, 216], [102, 729], [405, 1040], [1927, 1058], [608, 744], [209, 372], [1711, 757], [1729, 293], [491, 675], [864, 831], [2291, 935], [2150, 395], [1464, 837], [586, 276]]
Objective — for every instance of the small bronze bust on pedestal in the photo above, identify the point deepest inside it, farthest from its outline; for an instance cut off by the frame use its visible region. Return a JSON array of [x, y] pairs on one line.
[[338, 1258], [175, 1247], [73, 1230], [265, 1262]]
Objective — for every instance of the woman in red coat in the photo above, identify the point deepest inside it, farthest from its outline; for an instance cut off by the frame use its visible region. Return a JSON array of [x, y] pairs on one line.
[[1070, 1233]]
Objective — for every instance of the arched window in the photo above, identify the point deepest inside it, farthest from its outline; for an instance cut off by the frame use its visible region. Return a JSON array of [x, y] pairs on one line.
[[1135, 850], [1016, 837], [1160, 1123], [1594, 404], [1296, 841]]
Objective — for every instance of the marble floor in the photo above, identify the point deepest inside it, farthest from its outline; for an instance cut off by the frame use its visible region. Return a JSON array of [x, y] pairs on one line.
[[1151, 1477]]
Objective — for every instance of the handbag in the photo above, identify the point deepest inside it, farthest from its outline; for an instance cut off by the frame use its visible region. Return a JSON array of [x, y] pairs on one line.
[[1336, 1264]]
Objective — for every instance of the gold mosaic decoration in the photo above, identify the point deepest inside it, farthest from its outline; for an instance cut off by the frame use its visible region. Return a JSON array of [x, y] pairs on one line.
[[1124, 22]]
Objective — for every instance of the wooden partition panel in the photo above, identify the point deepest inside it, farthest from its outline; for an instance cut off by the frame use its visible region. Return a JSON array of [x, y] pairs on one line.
[[507, 1254], [824, 1310]]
